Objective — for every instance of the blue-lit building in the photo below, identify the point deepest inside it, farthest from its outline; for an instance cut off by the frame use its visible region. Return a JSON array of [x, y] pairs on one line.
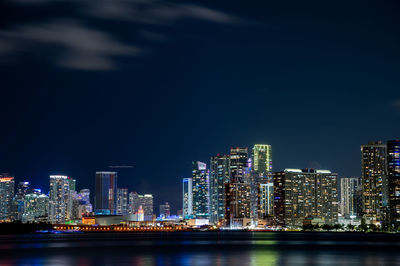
[[187, 198], [106, 193], [393, 173], [219, 177], [200, 183]]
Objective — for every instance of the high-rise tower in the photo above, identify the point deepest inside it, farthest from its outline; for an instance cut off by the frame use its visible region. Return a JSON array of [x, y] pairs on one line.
[[219, 177], [187, 198], [393, 172], [59, 198], [6, 196], [106, 193], [200, 182], [374, 180], [262, 161], [237, 164]]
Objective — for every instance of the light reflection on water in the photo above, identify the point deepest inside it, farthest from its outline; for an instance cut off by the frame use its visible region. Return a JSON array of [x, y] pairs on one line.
[[257, 257], [192, 249], [200, 259]]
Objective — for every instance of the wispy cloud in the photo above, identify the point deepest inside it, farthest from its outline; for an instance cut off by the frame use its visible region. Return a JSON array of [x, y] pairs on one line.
[[79, 46]]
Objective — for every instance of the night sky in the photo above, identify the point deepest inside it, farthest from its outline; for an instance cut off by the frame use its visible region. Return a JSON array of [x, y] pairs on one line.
[[156, 84]]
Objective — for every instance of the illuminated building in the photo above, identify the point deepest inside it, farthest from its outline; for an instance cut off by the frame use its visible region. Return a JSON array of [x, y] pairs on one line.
[[85, 195], [187, 209], [146, 201], [237, 163], [349, 190], [374, 180], [238, 202], [219, 177], [266, 199], [307, 193], [200, 183], [72, 192], [18, 204], [393, 172], [165, 210], [36, 207], [6, 197], [23, 188], [88, 220], [262, 171], [133, 202], [147, 204], [122, 201], [59, 198], [81, 205], [262, 161], [72, 184], [106, 190]]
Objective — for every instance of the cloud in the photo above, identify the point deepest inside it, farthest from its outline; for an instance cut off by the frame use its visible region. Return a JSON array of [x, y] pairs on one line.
[[144, 11], [80, 47], [155, 12]]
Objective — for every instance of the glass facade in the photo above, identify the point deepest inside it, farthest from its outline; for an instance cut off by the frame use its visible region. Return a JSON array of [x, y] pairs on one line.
[[122, 201], [349, 191], [200, 190], [237, 164], [187, 190], [262, 161], [219, 177], [106, 193]]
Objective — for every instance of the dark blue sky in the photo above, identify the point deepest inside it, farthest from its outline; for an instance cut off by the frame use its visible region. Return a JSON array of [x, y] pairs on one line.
[[157, 84]]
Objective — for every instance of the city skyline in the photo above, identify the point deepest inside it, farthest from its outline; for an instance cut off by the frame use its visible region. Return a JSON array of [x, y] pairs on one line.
[[177, 202]]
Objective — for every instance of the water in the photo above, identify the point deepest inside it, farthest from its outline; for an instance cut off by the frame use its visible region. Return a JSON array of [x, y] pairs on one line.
[[201, 248]]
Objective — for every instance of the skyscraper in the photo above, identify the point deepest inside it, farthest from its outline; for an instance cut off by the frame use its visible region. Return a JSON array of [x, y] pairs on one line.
[[349, 188], [122, 201], [238, 162], [133, 202], [187, 191], [106, 190], [266, 207], [374, 179], [165, 210], [6, 197], [219, 177], [18, 204], [393, 172], [146, 201], [59, 198], [262, 161], [301, 194], [238, 202], [200, 182]]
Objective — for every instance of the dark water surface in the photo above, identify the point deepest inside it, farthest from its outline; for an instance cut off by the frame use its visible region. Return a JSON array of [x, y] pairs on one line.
[[201, 248]]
